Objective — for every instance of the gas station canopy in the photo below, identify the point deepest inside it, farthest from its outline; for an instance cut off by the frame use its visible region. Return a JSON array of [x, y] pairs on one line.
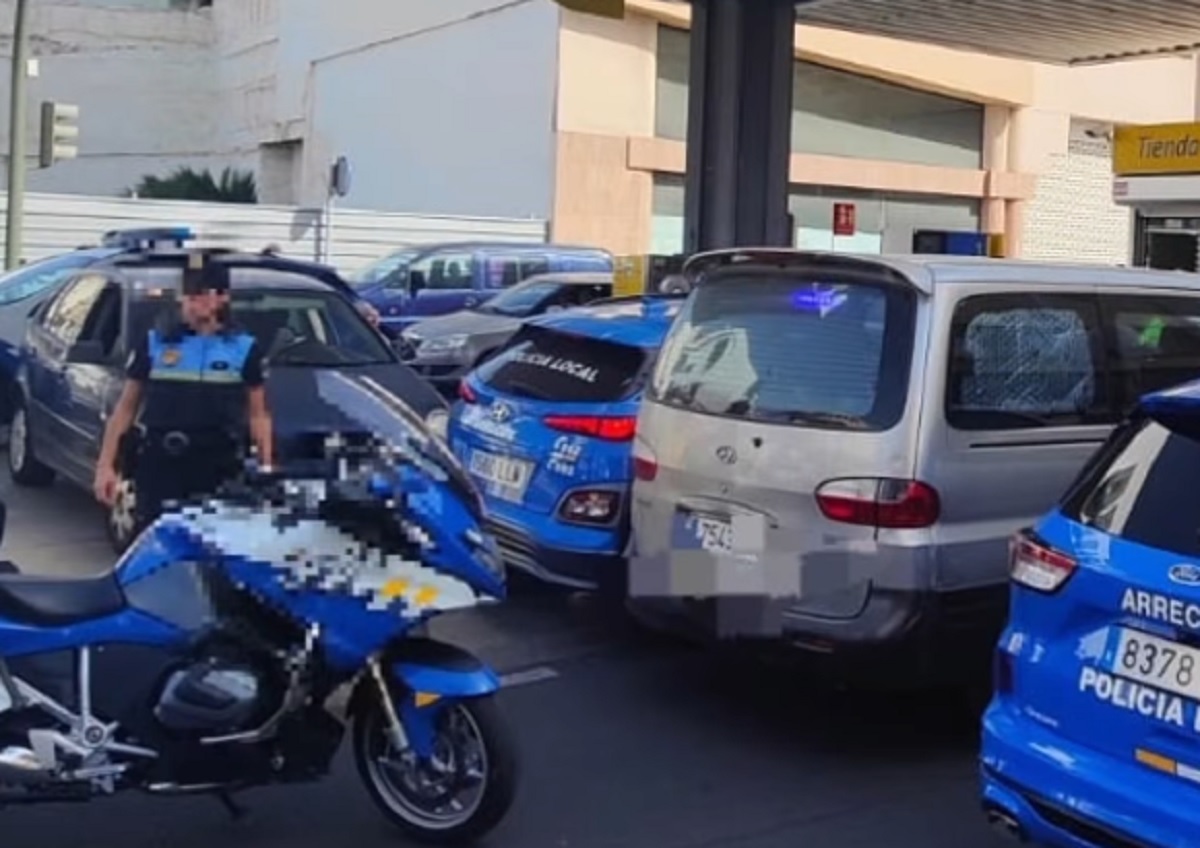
[[1070, 32], [741, 82], [1064, 32]]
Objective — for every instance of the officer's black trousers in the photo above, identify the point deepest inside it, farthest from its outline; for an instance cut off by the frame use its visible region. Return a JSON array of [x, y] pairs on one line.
[[182, 478]]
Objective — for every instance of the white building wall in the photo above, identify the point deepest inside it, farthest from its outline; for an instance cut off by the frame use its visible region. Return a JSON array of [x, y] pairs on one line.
[[1072, 216]]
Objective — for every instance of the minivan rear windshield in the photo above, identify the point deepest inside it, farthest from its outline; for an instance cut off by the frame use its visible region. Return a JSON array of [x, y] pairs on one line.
[[1131, 488], [792, 347], [548, 365]]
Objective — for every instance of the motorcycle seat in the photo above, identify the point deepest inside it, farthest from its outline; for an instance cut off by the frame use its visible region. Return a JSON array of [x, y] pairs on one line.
[[38, 601]]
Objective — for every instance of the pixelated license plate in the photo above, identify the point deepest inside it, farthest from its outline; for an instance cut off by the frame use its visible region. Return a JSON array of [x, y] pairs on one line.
[[712, 533], [502, 476]]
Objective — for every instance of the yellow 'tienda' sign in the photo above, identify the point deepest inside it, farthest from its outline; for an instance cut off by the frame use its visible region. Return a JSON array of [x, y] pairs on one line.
[[601, 8], [1160, 149]]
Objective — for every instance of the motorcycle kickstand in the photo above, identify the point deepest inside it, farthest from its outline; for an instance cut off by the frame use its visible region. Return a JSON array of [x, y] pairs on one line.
[[236, 811]]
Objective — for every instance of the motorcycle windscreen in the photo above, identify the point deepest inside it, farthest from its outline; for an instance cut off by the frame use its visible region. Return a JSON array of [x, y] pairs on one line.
[[369, 407]]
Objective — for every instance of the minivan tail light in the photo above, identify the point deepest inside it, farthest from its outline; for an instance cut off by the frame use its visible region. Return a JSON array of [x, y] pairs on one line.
[[883, 503], [1037, 566], [466, 393], [611, 428], [645, 463]]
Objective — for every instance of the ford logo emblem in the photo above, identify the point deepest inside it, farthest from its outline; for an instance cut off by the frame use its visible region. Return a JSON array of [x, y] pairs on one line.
[[501, 412], [1185, 574], [727, 454]]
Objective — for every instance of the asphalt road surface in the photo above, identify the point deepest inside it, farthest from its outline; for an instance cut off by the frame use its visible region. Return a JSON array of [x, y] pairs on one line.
[[625, 743]]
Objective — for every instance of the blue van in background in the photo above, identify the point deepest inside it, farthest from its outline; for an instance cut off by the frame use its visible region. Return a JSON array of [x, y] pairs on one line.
[[419, 282], [546, 427], [1092, 739]]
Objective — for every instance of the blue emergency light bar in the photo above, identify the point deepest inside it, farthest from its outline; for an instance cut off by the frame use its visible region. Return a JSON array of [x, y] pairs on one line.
[[148, 238]]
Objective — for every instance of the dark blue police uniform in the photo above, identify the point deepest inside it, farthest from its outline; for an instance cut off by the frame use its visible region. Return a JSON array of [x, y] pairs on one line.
[[193, 412]]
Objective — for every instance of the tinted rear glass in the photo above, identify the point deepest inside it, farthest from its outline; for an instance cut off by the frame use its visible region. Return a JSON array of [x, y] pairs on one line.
[[548, 365], [791, 347], [1132, 488]]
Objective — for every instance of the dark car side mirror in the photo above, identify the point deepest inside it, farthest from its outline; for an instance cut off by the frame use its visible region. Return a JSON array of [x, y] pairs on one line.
[[86, 353], [416, 281]]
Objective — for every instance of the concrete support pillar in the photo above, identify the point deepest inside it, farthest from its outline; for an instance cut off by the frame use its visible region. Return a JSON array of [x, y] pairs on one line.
[[739, 124]]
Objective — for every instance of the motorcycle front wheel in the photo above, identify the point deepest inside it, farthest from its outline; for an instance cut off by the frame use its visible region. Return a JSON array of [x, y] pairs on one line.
[[465, 789]]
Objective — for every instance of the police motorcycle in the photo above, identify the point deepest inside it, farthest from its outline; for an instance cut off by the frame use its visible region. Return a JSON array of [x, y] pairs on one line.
[[235, 641]]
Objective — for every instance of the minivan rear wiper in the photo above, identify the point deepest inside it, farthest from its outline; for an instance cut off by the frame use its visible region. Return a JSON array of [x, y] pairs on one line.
[[836, 419]]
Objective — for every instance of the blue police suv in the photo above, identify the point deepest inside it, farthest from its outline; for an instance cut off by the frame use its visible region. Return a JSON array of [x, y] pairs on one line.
[[24, 288], [546, 427], [1092, 739], [78, 340]]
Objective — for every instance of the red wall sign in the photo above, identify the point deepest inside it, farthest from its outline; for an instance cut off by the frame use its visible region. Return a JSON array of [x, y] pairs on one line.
[[843, 219]]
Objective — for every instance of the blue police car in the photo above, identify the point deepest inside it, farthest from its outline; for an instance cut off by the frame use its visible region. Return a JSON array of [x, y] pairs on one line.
[[545, 428], [77, 341], [24, 288], [1092, 738]]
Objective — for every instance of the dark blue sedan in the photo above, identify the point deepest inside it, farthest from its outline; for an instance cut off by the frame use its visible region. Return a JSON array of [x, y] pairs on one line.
[[77, 341]]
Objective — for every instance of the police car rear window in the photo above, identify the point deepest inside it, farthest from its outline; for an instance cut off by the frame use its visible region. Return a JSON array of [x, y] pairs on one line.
[[547, 365], [1132, 487]]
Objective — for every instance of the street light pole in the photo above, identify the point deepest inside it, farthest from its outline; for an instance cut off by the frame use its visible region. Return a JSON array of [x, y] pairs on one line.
[[16, 140]]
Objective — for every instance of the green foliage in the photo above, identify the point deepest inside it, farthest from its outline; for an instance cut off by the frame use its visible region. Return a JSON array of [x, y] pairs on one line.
[[232, 186]]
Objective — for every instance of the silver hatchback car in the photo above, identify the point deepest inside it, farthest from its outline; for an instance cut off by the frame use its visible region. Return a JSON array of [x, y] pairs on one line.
[[834, 451]]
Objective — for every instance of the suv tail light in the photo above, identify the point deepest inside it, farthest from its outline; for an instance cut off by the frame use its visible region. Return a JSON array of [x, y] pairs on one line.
[[1035, 565], [466, 393], [883, 503], [616, 428]]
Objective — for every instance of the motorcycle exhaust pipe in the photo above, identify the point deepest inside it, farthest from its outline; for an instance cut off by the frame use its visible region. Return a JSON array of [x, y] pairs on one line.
[[1004, 824], [21, 766]]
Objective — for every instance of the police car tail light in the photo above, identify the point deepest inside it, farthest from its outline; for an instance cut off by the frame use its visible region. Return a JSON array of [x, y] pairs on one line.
[[883, 503], [1036, 566], [590, 507], [466, 393], [618, 428]]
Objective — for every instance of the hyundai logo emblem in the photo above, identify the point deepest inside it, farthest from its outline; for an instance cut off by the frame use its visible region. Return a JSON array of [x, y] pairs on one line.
[[501, 412], [727, 454], [1185, 574]]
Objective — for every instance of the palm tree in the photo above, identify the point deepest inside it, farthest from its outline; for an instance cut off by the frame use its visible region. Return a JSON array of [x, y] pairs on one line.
[[232, 186]]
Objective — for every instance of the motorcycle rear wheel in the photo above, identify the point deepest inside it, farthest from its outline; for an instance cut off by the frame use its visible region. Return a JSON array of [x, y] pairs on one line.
[[426, 802]]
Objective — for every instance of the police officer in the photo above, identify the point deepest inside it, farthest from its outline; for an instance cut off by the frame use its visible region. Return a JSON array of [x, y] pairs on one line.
[[197, 384]]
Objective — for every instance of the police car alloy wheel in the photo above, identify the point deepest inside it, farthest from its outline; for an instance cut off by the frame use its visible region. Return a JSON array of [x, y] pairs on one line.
[[122, 516], [23, 464]]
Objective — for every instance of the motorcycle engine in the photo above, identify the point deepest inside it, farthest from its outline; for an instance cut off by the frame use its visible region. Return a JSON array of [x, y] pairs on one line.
[[213, 696]]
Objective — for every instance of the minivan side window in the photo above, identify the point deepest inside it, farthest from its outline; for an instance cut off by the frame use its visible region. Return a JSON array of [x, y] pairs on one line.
[[532, 266], [446, 271], [502, 272], [1026, 360], [1157, 342]]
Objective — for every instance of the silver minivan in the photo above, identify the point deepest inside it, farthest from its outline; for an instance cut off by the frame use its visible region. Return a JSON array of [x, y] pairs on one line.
[[834, 450]]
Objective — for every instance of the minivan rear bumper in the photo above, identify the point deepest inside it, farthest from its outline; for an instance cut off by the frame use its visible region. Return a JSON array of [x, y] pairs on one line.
[[921, 637], [1098, 802]]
